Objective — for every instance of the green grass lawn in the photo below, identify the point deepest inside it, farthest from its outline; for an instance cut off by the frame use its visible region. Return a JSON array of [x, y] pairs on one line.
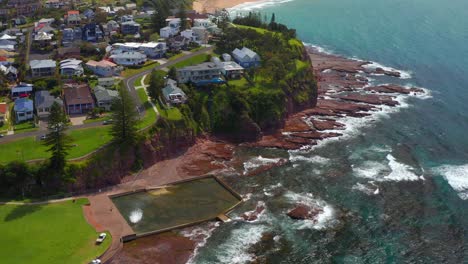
[[86, 140], [150, 114], [148, 65], [48, 234], [25, 127], [192, 61], [169, 113], [99, 119], [242, 82], [138, 81]]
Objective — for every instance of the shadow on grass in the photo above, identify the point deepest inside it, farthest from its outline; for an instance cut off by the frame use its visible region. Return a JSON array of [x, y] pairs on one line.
[[21, 211]]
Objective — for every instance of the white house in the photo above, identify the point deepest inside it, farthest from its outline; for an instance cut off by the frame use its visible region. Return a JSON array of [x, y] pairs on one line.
[[71, 67], [103, 68], [150, 49], [130, 58], [246, 57], [230, 69], [204, 73], [199, 22]]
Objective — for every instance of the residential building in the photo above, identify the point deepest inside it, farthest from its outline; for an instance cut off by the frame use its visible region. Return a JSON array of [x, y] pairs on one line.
[[22, 90], [104, 97], [131, 58], [3, 112], [204, 73], [89, 13], [131, 6], [10, 72], [167, 32], [202, 23], [41, 68], [130, 28], [43, 100], [150, 49], [71, 67], [73, 18], [47, 28], [201, 35], [70, 52], [24, 109], [173, 94], [43, 39], [178, 43], [103, 68], [230, 69], [92, 32], [47, 21], [57, 4], [71, 35], [246, 57], [77, 98], [106, 82], [112, 27], [126, 18]]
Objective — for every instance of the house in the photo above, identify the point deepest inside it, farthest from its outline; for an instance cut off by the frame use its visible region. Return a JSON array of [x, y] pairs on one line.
[[104, 97], [116, 9], [43, 39], [23, 109], [130, 6], [173, 94], [204, 73], [70, 52], [92, 32], [3, 112], [103, 68], [126, 18], [246, 57], [8, 37], [201, 35], [112, 26], [41, 68], [22, 90], [150, 49], [130, 27], [47, 21], [202, 23], [172, 29], [73, 18], [57, 4], [70, 35], [89, 13], [167, 32], [129, 58], [43, 101], [24, 7], [10, 72], [77, 98], [230, 69], [106, 9], [178, 43], [19, 20], [5, 61], [106, 82], [71, 67], [43, 28]]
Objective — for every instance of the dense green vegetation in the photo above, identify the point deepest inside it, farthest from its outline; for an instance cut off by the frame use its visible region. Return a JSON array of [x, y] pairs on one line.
[[50, 233]]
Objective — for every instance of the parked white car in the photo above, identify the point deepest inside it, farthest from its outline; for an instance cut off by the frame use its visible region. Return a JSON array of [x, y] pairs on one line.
[[96, 261], [101, 238]]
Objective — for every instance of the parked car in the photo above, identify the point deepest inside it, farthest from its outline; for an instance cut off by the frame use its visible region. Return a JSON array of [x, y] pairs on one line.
[[1, 135], [43, 137], [96, 261], [107, 122], [101, 238]]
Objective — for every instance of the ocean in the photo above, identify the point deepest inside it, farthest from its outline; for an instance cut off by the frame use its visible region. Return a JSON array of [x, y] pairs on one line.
[[394, 189]]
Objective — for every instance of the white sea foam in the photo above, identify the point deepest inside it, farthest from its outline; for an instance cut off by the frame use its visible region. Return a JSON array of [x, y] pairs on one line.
[[392, 171], [319, 48], [457, 177], [374, 65], [240, 240], [260, 216], [369, 189], [257, 162], [268, 191], [324, 220], [200, 235], [313, 159], [400, 171], [136, 216], [249, 6]]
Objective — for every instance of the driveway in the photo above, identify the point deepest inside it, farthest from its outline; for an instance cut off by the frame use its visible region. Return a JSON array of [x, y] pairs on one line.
[[77, 120]]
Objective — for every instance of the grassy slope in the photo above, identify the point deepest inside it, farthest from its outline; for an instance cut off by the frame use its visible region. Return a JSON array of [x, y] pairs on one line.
[[192, 61], [148, 65], [54, 233], [86, 140]]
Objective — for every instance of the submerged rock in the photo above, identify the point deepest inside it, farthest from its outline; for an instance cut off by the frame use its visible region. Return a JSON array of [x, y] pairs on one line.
[[304, 212]]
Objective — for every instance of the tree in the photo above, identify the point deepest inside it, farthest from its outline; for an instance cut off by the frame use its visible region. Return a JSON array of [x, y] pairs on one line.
[[157, 82], [172, 73], [163, 10], [57, 140], [183, 17], [125, 118]]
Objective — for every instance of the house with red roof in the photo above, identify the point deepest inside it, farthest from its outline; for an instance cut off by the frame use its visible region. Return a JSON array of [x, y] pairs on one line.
[[3, 112]]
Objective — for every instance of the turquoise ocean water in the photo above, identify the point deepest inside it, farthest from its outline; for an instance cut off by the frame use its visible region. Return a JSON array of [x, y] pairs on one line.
[[395, 188]]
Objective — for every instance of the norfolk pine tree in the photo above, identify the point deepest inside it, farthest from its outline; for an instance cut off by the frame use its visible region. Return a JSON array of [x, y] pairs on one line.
[[125, 118]]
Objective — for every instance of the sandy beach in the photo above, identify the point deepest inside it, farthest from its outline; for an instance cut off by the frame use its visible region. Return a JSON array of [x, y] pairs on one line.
[[210, 6]]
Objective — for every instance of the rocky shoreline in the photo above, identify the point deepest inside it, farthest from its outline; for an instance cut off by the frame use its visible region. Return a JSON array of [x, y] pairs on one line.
[[343, 91]]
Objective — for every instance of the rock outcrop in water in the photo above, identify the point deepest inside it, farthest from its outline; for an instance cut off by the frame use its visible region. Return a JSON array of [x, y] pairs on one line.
[[304, 212], [343, 91]]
